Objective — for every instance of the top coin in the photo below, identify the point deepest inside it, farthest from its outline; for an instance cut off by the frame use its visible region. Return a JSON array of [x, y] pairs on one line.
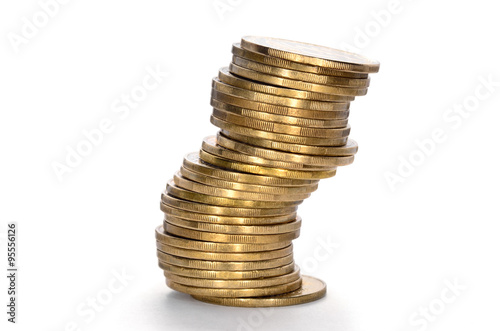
[[310, 54]]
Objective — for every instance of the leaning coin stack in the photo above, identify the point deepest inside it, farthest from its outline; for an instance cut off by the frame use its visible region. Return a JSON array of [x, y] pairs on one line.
[[231, 209]]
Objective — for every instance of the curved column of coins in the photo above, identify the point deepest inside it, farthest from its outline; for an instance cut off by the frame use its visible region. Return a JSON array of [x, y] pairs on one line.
[[231, 209]]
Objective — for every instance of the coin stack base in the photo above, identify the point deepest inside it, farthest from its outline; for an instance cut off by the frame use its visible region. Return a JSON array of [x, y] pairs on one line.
[[230, 212]]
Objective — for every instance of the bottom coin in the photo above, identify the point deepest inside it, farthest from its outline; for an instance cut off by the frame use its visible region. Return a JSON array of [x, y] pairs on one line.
[[312, 289]]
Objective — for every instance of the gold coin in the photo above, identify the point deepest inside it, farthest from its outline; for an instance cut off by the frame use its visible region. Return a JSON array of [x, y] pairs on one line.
[[232, 194], [193, 162], [349, 83], [181, 193], [265, 229], [294, 84], [229, 220], [233, 283], [268, 117], [277, 62], [246, 131], [340, 113], [235, 292], [172, 240], [226, 77], [310, 54], [210, 146], [278, 172], [283, 156], [312, 289], [224, 274], [201, 208], [336, 132], [216, 256], [229, 238], [224, 265], [348, 149], [223, 183], [219, 86]]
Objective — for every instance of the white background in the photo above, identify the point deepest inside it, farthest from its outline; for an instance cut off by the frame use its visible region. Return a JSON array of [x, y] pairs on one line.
[[397, 249]]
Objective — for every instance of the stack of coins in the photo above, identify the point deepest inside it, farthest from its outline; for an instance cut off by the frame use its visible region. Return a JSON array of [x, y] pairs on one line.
[[231, 210]]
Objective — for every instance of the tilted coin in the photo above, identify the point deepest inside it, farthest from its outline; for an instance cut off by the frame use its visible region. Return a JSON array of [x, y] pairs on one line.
[[283, 156], [223, 256], [310, 54], [234, 283], [350, 148], [302, 76], [172, 240], [294, 84], [290, 120], [265, 229], [312, 289], [193, 162], [277, 62]]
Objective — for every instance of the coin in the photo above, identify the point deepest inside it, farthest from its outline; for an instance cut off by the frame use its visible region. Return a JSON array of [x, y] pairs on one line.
[[294, 84], [224, 183], [172, 240], [246, 131], [339, 113], [312, 289], [224, 265], [193, 162], [264, 229], [219, 86], [350, 148], [233, 283], [290, 120], [233, 292], [283, 156], [310, 54], [348, 83], [230, 238], [225, 274], [223, 256], [226, 77], [342, 129]]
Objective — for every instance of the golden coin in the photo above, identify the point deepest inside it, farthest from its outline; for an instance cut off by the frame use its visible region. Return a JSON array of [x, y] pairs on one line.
[[207, 218], [225, 274], [246, 131], [219, 86], [181, 193], [312, 289], [340, 113], [268, 117], [233, 194], [209, 145], [233, 283], [353, 83], [216, 256], [236, 292], [294, 84], [224, 183], [310, 54], [277, 62], [345, 150], [172, 240], [283, 156], [278, 172], [229, 238], [226, 77], [336, 132], [193, 162], [224, 265], [201, 208], [265, 229]]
